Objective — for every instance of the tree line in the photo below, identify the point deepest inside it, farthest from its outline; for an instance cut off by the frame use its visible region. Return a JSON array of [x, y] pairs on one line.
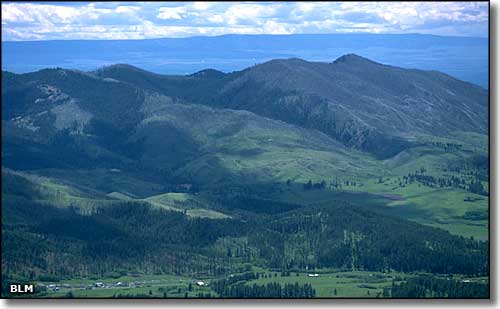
[[432, 287]]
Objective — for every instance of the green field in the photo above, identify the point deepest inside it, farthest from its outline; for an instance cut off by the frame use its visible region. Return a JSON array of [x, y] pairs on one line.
[[194, 206], [440, 207], [327, 284], [146, 286], [346, 284]]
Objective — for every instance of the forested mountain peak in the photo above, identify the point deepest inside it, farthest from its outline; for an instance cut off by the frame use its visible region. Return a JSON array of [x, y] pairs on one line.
[[354, 59], [121, 67], [208, 73]]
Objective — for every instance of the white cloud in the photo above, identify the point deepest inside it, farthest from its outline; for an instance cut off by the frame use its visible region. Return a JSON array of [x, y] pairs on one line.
[[273, 27], [45, 13], [306, 6], [216, 18], [171, 12], [248, 13], [409, 14], [22, 35], [14, 13], [201, 5], [127, 9], [79, 20]]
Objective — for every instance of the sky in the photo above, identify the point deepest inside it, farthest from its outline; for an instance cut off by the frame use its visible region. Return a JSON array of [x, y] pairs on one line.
[[25, 21]]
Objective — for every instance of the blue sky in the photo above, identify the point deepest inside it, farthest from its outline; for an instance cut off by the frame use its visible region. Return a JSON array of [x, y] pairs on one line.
[[143, 20]]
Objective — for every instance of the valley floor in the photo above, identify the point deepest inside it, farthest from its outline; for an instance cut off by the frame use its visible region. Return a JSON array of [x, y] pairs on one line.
[[327, 284]]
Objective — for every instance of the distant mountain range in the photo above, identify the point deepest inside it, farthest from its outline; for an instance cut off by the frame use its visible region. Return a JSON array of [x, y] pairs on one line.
[[465, 58]]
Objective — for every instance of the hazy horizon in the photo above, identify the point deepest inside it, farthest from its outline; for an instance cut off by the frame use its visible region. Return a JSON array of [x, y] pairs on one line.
[[263, 34]]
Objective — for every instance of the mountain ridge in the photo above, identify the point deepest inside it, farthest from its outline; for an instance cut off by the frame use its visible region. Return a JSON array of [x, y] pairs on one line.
[[362, 103], [374, 97], [350, 58]]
